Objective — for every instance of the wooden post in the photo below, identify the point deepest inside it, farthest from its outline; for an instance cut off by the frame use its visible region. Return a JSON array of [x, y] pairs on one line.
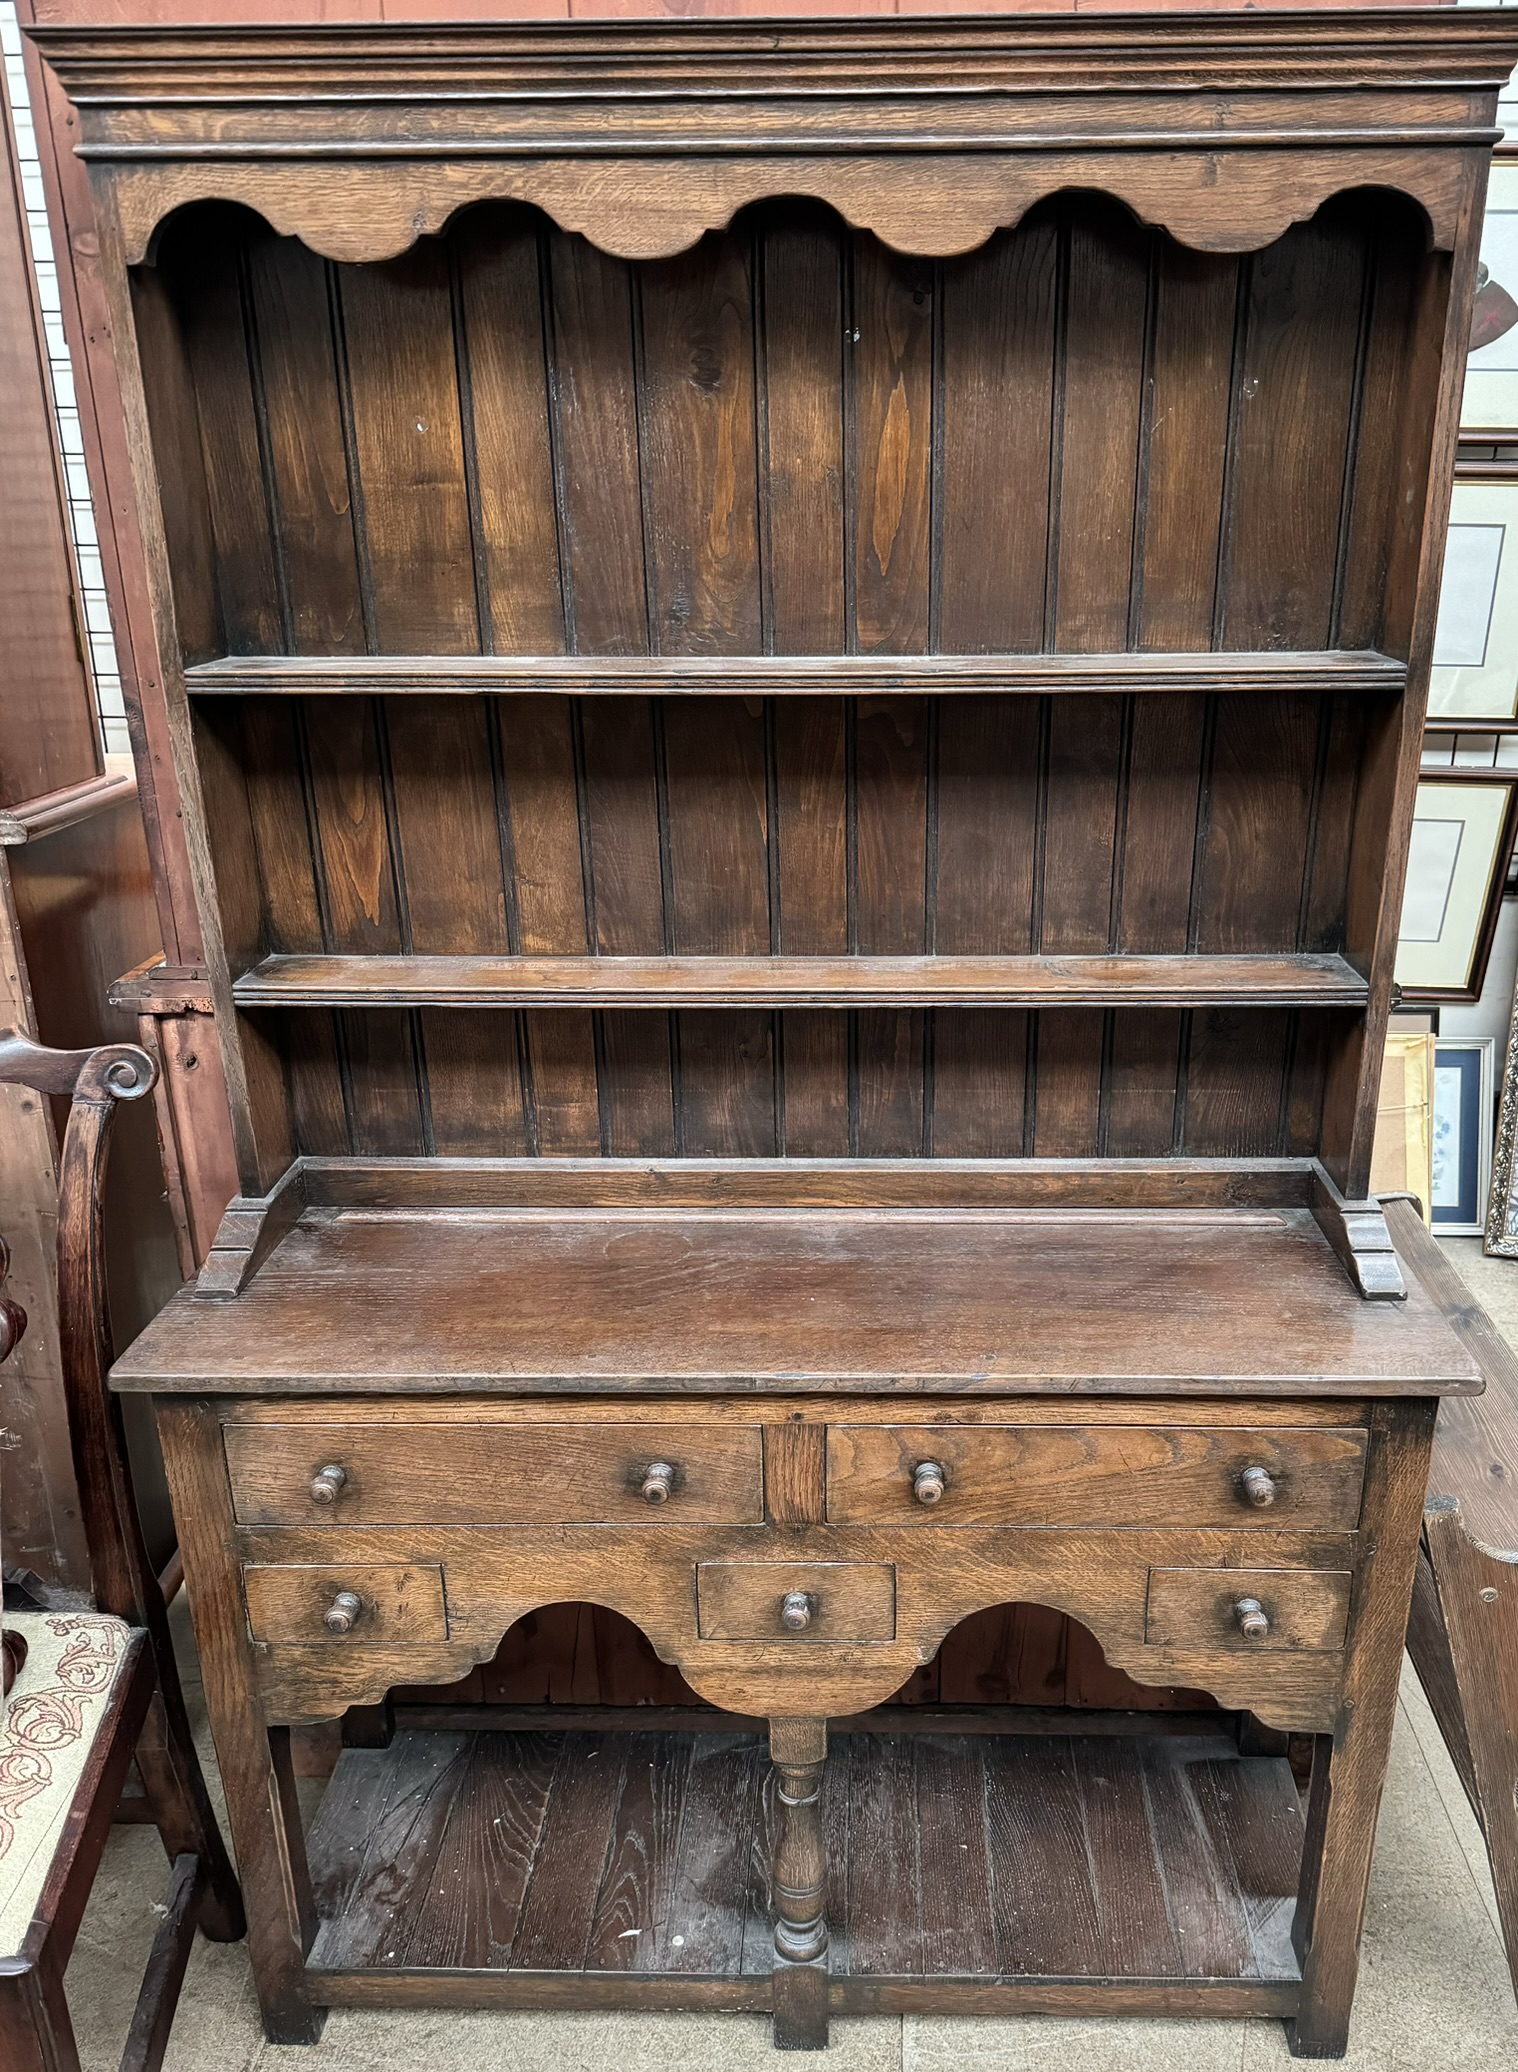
[[1349, 1765], [255, 1759], [798, 1749]]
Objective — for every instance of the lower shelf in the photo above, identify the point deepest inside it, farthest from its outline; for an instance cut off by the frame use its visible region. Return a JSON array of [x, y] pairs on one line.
[[605, 1869]]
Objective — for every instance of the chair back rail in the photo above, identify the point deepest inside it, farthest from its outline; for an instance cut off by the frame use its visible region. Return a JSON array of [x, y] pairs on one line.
[[124, 1580]]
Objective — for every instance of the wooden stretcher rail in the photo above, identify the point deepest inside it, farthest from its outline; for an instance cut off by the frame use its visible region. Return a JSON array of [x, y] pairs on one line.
[[1149, 981], [747, 676]]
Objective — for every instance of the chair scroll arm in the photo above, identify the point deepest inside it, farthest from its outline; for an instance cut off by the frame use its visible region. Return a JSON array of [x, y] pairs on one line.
[[115, 1071]]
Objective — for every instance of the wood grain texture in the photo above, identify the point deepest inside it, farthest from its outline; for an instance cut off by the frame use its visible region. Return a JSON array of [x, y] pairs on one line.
[[1039, 474], [1184, 1299], [1085, 1477], [1210, 1850]]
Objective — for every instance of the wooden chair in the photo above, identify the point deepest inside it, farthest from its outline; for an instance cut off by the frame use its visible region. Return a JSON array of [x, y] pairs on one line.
[[89, 1691], [1463, 1633]]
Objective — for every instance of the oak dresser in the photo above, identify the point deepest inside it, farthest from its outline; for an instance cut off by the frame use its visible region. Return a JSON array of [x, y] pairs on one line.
[[796, 652]]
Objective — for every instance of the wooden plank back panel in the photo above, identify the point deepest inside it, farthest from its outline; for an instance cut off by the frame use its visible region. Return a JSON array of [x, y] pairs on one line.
[[946, 1082], [889, 826], [547, 825], [791, 440]]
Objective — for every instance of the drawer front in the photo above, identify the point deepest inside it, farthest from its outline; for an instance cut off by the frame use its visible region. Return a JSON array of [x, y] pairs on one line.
[[1248, 1608], [1086, 1476], [489, 1474], [345, 1604], [798, 1601]]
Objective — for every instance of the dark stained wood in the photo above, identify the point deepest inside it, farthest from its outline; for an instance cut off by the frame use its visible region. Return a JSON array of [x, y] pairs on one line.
[[508, 445], [1100, 381], [696, 453], [1460, 1635], [1292, 410], [1000, 1475], [544, 1472], [820, 824], [381, 980], [1193, 298], [143, 1717], [402, 396], [805, 1300], [998, 372], [289, 293], [595, 426], [747, 676], [801, 415], [889, 386], [653, 1817]]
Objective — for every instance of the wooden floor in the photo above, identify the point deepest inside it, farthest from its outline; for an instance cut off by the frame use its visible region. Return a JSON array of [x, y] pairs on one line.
[[643, 1856]]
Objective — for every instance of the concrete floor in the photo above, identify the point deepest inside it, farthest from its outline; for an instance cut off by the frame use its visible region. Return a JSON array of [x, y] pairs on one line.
[[1434, 1988]]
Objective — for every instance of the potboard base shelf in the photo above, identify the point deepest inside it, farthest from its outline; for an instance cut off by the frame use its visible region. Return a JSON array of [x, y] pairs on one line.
[[966, 1873]]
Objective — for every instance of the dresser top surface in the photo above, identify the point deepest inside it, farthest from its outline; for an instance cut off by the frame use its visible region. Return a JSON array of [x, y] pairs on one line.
[[647, 1300]]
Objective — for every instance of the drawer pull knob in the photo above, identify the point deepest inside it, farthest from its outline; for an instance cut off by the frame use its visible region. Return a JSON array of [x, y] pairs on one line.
[[341, 1615], [328, 1484], [1251, 1615], [1259, 1487], [929, 1482], [658, 1482], [796, 1610]]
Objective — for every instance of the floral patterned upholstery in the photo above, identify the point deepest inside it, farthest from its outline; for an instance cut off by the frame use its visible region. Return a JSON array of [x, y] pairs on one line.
[[54, 1711]]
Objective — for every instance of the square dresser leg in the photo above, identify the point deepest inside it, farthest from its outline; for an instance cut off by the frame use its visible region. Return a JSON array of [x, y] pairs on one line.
[[1349, 1765], [254, 1758], [798, 1749]]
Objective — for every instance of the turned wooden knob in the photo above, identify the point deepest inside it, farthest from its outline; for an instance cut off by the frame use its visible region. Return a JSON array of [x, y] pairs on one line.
[[796, 1610], [658, 1481], [341, 1615], [327, 1484], [1258, 1486], [1251, 1615], [929, 1482]]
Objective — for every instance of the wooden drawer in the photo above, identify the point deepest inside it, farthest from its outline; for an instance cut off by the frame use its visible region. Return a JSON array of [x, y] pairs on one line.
[[1200, 1608], [397, 1601], [1087, 1476], [762, 1600], [488, 1474]]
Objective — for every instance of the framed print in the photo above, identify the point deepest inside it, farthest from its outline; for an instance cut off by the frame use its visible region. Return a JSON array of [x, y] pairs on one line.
[[1462, 1148], [1491, 371], [1456, 867], [1502, 1208], [1475, 671]]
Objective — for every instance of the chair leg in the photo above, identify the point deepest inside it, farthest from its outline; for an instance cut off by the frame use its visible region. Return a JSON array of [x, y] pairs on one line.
[[159, 1997], [176, 1789], [1478, 1600], [36, 2034]]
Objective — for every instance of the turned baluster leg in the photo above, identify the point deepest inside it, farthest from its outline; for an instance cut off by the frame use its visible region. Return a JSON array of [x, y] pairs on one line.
[[798, 1749]]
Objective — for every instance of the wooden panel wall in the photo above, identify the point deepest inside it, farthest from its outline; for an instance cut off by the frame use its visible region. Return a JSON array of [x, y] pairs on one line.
[[894, 826], [790, 440]]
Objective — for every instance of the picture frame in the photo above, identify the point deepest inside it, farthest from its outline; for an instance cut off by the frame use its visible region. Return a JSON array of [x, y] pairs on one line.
[[1501, 1235], [1474, 676], [1462, 1137], [1462, 842], [1489, 408]]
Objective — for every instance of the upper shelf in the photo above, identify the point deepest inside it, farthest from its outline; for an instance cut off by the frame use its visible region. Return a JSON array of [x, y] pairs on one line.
[[1147, 981], [748, 676]]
